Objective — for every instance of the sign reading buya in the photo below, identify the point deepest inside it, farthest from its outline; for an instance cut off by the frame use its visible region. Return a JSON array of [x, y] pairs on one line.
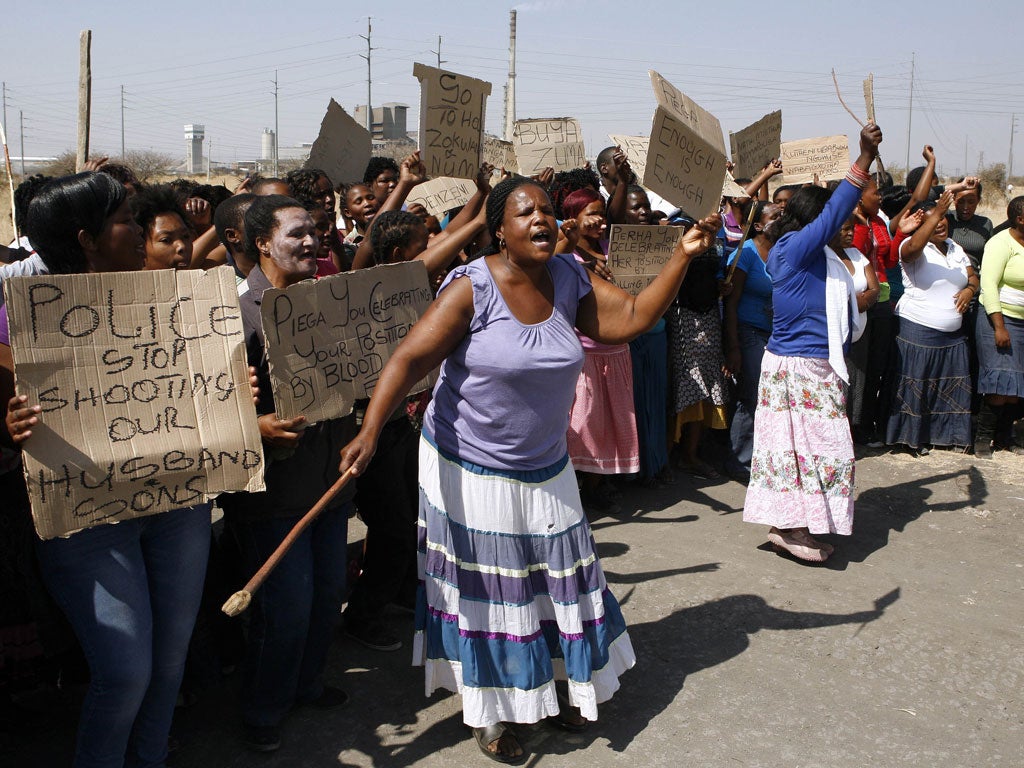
[[328, 339], [144, 388], [452, 110], [555, 142], [686, 155]]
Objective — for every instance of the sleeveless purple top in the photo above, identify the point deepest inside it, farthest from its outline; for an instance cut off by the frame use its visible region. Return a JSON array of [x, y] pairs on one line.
[[503, 397]]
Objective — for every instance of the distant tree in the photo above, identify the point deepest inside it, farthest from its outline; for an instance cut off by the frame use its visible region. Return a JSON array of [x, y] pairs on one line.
[[146, 163], [63, 165]]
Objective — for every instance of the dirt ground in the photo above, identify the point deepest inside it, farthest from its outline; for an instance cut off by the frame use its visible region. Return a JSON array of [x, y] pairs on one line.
[[904, 649]]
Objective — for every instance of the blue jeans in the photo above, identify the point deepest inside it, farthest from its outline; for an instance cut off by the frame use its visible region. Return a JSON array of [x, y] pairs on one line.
[[753, 340], [294, 614], [131, 592]]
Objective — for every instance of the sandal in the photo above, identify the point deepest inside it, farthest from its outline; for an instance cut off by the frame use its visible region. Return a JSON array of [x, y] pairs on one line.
[[500, 735], [700, 469], [568, 717], [788, 542]]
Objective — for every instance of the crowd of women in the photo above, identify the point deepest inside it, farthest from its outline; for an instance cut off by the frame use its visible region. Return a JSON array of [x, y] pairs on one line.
[[779, 333]]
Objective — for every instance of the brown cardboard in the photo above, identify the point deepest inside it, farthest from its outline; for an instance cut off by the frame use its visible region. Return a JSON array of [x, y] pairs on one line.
[[500, 154], [556, 142], [698, 119], [144, 385], [329, 339], [343, 147], [755, 145], [635, 148], [452, 108], [440, 195], [637, 252], [827, 156], [731, 189]]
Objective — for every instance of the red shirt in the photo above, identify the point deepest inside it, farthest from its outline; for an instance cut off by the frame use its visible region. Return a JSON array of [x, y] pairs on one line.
[[875, 243]]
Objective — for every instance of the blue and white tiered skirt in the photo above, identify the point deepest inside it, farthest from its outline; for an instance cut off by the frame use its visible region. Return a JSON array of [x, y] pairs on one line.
[[512, 595]]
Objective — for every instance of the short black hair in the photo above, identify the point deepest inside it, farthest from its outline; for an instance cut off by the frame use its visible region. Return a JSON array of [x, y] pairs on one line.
[[785, 188], [259, 182], [261, 219], [184, 188], [231, 215], [302, 183], [977, 187], [65, 207], [1015, 210], [156, 201], [214, 194], [123, 174], [377, 166]]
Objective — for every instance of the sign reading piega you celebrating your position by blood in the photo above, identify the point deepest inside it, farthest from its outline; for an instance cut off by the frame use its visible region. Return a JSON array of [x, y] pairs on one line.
[[144, 389]]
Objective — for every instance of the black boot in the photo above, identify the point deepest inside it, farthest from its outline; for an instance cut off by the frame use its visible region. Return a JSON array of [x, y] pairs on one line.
[[985, 432]]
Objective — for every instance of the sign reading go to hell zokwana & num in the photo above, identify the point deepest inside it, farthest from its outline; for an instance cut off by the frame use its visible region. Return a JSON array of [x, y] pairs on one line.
[[144, 388], [636, 253], [328, 339], [451, 121]]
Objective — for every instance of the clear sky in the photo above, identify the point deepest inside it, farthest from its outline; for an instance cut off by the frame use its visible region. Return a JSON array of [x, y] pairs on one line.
[[213, 63]]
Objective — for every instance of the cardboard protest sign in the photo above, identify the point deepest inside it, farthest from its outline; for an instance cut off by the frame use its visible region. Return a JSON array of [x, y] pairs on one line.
[[635, 148], [556, 142], [343, 147], [686, 156], [827, 156], [731, 189], [755, 145], [869, 97], [441, 195], [328, 339], [500, 154], [636, 253], [452, 110], [144, 388]]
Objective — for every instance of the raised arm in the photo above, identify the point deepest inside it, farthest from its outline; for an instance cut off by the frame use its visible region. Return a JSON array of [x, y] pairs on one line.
[[913, 247], [429, 342], [439, 254], [411, 172], [618, 200], [921, 191], [611, 316], [758, 187]]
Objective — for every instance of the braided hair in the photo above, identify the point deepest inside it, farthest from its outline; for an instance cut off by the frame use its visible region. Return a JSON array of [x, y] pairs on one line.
[[496, 208], [302, 183], [566, 183], [390, 230]]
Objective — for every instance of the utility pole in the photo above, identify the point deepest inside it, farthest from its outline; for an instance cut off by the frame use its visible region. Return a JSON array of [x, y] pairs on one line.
[[277, 138], [122, 123], [440, 61], [369, 77], [21, 120], [910, 110], [5, 104], [209, 160], [1009, 163], [965, 157], [510, 87]]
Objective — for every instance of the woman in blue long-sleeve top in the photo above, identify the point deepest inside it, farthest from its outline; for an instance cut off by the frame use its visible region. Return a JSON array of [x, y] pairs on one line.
[[801, 478]]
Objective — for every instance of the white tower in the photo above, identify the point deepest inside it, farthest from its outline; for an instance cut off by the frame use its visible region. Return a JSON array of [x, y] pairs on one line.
[[267, 143], [194, 135]]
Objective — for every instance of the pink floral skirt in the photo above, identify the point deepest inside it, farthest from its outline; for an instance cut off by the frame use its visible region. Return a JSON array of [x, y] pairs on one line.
[[801, 474]]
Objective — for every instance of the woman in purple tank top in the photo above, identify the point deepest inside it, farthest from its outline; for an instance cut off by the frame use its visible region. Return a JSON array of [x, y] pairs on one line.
[[512, 596]]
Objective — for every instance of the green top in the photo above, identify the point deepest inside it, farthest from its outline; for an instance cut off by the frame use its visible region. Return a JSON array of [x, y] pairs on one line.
[[1003, 265]]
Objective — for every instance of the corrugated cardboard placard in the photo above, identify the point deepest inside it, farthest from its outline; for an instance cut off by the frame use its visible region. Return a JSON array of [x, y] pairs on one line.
[[452, 110], [328, 340], [827, 156], [343, 147], [556, 142], [144, 386], [869, 97], [637, 252], [755, 145], [635, 148], [441, 195], [500, 154], [686, 157]]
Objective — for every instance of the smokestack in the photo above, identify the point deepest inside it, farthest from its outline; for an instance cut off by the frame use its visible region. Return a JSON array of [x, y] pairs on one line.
[[510, 88]]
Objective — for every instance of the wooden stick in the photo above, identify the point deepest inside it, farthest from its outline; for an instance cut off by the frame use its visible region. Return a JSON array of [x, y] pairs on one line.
[[84, 97], [10, 181], [835, 82], [239, 601]]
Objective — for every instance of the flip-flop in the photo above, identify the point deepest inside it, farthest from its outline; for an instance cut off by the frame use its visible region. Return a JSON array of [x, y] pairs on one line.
[[491, 733]]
